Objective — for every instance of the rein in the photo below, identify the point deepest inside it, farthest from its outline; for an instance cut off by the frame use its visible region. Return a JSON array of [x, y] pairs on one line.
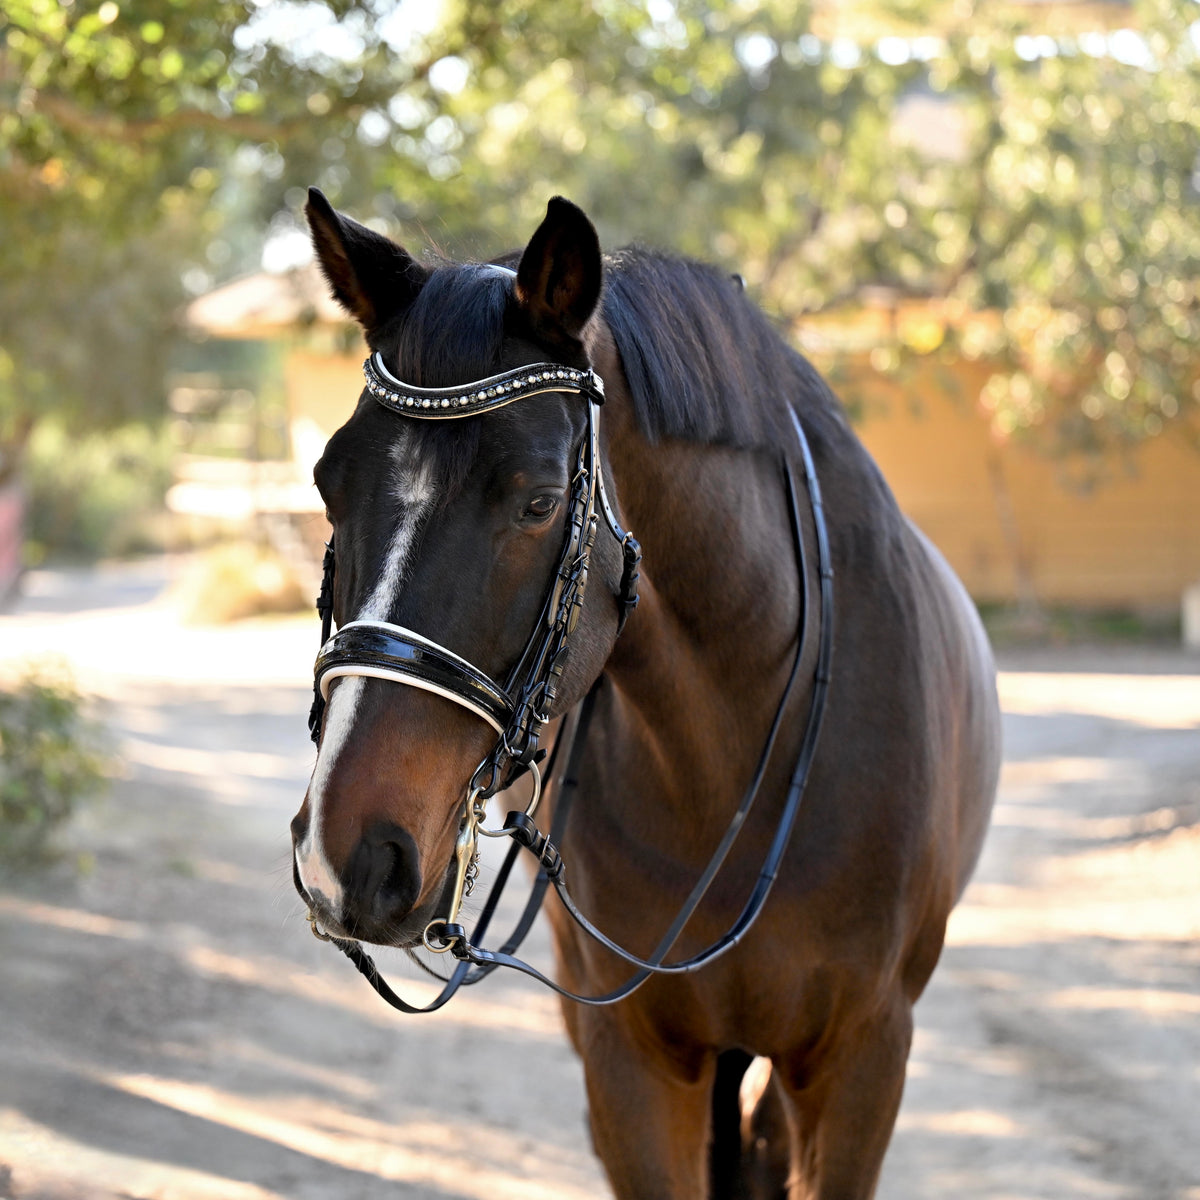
[[519, 709]]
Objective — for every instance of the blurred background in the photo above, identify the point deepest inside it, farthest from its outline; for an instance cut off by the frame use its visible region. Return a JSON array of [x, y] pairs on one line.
[[980, 218]]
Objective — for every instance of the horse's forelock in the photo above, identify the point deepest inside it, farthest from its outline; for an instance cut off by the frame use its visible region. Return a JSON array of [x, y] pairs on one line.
[[453, 332]]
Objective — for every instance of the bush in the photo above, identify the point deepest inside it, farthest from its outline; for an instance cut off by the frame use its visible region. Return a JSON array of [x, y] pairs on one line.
[[51, 758], [96, 496], [238, 580]]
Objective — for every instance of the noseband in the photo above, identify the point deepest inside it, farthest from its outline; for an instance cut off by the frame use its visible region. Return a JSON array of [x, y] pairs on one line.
[[518, 709]]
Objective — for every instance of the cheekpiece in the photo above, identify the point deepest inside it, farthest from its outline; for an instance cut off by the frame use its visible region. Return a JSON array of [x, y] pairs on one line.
[[483, 395]]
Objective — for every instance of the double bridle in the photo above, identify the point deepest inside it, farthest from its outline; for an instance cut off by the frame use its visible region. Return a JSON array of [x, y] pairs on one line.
[[519, 709]]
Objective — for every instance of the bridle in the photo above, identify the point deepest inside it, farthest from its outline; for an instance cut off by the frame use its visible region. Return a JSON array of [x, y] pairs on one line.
[[519, 709]]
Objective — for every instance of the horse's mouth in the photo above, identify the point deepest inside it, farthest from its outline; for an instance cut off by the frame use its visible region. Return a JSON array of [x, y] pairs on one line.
[[404, 934]]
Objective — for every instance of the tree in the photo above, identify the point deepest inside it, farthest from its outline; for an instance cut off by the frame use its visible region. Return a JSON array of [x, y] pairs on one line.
[[1002, 164], [1063, 200], [127, 132]]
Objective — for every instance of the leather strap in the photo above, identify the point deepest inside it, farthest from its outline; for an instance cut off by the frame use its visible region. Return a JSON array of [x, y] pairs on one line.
[[768, 873], [387, 651]]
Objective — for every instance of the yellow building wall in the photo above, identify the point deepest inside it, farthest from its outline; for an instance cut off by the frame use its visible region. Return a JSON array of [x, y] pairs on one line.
[[322, 391], [1131, 541]]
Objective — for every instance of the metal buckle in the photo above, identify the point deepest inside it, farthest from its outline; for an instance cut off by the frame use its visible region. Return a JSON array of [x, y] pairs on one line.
[[466, 851]]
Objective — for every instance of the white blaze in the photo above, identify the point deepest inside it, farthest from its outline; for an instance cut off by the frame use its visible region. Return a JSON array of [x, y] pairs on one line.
[[413, 488]]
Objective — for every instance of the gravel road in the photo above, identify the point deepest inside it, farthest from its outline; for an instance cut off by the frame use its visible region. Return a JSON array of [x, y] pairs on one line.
[[171, 1031]]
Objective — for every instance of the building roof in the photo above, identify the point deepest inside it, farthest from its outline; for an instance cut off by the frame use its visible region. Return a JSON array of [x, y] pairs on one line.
[[265, 305]]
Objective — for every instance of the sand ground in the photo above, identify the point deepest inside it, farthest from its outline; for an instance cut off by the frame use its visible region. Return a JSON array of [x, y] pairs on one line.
[[168, 1029]]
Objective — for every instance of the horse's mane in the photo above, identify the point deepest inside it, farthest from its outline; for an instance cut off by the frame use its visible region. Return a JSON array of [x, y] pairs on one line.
[[702, 362]]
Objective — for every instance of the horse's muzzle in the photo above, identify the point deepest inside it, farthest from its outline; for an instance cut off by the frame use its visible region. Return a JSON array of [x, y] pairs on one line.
[[374, 893]]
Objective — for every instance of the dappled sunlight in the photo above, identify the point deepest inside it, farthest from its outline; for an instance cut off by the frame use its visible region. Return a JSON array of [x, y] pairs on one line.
[[212, 870], [1153, 701], [215, 1051], [967, 1122], [207, 764], [933, 1052], [149, 643], [1119, 855], [1008, 815], [431, 1153], [76, 920], [1048, 772], [1028, 1181], [1155, 1003], [289, 1067], [533, 1015], [1027, 785], [1012, 916], [527, 1014], [1073, 955], [285, 979], [1031, 811], [49, 1159], [1145, 887]]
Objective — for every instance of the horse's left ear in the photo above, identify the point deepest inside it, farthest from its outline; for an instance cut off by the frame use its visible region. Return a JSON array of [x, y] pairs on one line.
[[558, 281]]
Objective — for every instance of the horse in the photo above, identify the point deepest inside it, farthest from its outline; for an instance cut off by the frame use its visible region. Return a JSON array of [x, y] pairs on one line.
[[454, 538]]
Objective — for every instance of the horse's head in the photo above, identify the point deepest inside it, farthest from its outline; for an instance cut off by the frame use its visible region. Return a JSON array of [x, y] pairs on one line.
[[455, 531]]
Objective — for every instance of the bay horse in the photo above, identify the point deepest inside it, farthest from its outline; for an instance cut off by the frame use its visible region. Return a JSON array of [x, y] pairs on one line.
[[453, 538]]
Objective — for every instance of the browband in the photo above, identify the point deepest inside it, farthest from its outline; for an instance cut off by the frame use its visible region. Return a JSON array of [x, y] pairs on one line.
[[482, 395]]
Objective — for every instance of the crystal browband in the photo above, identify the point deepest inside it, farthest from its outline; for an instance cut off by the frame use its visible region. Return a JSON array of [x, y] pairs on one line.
[[481, 396]]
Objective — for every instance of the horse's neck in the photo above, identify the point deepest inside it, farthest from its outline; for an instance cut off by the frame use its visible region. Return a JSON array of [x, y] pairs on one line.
[[703, 661]]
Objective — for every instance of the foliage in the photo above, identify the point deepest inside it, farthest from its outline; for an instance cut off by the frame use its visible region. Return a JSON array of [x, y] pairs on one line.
[[52, 757], [236, 580], [992, 164], [996, 159], [116, 125], [95, 496]]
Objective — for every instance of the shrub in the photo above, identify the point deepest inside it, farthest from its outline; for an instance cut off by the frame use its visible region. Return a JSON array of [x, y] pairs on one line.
[[95, 496], [51, 757], [238, 580]]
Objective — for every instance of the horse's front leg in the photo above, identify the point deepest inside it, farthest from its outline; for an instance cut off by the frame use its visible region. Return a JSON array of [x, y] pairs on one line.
[[649, 1107], [843, 1106]]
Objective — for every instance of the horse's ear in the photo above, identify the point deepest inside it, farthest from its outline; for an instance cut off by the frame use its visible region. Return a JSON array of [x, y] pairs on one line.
[[558, 281], [370, 276]]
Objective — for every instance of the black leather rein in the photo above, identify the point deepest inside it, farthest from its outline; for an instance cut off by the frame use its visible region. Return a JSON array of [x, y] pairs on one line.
[[519, 709]]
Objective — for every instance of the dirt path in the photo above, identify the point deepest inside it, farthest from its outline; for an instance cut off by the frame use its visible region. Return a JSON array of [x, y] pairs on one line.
[[170, 1030]]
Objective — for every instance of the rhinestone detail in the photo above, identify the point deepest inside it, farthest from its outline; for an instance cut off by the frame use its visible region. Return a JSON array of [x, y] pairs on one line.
[[501, 391]]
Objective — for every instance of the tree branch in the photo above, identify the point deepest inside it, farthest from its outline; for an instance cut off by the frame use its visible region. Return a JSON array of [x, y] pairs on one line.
[[77, 119]]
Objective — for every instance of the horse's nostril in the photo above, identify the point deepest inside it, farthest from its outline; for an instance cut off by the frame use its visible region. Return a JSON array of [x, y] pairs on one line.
[[383, 875], [402, 884]]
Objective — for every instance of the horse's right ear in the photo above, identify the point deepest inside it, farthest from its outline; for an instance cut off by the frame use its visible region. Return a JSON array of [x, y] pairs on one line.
[[371, 277]]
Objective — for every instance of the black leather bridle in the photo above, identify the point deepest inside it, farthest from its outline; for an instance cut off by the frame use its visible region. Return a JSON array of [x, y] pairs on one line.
[[519, 709]]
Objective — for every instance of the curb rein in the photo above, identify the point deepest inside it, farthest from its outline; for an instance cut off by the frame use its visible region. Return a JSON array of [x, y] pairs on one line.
[[519, 710]]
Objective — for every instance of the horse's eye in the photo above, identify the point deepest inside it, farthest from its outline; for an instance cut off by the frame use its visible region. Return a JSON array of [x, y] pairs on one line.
[[540, 508]]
